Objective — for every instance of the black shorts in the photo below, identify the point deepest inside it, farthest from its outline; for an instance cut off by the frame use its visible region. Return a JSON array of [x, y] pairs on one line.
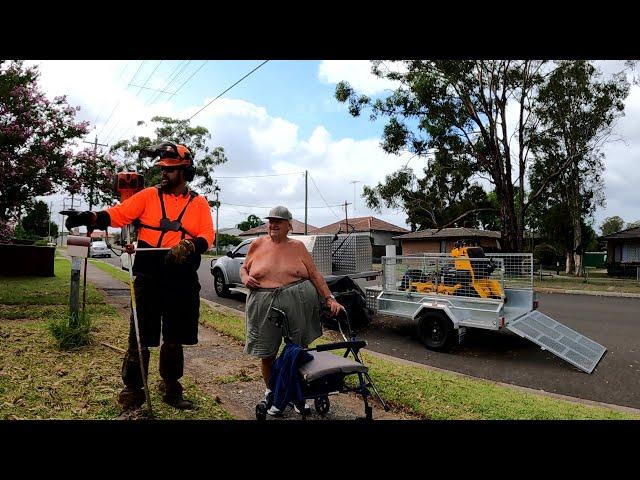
[[167, 304]]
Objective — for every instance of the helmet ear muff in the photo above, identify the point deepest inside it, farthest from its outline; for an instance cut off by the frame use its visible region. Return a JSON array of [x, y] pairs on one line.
[[189, 172]]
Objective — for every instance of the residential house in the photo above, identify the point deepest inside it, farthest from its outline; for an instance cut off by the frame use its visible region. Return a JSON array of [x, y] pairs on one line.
[[623, 252], [381, 233], [431, 240], [298, 229]]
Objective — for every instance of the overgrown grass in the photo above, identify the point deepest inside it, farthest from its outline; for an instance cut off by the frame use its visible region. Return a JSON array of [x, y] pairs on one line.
[[70, 331], [40, 381], [439, 395]]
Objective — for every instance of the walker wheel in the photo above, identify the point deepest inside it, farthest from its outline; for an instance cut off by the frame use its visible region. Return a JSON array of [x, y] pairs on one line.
[[261, 411], [322, 405]]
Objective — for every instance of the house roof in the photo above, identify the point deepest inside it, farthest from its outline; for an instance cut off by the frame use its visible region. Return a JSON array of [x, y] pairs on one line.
[[231, 231], [298, 229], [624, 234], [462, 232], [359, 224]]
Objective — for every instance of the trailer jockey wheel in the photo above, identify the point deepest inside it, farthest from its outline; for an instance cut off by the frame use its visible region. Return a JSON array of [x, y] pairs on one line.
[[322, 405]]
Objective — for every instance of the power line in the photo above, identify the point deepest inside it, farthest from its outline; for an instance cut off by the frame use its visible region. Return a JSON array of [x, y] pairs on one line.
[[257, 176], [228, 89], [174, 93], [108, 136], [149, 77], [326, 203], [173, 76], [114, 108], [149, 88], [269, 207], [187, 80], [95, 120]]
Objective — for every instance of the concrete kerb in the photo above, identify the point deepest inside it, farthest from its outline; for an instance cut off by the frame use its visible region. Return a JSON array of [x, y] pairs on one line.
[[598, 293]]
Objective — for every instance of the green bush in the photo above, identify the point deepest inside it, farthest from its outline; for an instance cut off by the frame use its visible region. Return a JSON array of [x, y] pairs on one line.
[[71, 332]]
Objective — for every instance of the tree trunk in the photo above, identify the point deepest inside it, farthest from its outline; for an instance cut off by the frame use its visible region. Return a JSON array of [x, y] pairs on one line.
[[569, 268], [508, 222], [577, 245], [576, 221]]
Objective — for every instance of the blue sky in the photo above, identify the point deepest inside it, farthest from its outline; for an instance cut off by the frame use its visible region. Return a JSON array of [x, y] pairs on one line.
[[282, 119]]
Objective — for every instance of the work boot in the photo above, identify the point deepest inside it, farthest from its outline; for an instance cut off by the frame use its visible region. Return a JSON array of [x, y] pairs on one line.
[[131, 398], [172, 395], [132, 395], [171, 370]]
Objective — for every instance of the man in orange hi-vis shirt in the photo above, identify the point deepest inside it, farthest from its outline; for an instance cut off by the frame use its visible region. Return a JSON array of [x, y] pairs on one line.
[[166, 286]]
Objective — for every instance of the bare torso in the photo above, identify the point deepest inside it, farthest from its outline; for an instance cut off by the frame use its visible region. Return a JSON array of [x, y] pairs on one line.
[[276, 264]]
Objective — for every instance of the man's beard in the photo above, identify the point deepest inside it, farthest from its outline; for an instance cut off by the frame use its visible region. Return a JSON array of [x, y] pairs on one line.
[[171, 183]]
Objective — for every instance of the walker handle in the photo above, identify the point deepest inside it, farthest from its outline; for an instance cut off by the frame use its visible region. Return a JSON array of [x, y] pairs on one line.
[[354, 345]]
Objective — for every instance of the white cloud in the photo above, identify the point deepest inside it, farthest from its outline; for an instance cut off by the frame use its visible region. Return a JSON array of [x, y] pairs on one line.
[[258, 144], [357, 73]]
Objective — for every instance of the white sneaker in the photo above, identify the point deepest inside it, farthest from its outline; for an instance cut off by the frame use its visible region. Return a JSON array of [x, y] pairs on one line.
[[274, 412], [301, 407], [268, 397]]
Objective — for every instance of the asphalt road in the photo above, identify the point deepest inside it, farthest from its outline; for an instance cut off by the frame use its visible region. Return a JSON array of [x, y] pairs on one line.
[[505, 357]]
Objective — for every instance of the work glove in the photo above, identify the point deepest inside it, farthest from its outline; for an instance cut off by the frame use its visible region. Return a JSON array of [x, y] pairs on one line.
[[76, 219], [178, 254]]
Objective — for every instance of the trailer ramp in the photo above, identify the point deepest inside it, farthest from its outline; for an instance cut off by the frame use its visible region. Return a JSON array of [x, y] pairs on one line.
[[559, 339]]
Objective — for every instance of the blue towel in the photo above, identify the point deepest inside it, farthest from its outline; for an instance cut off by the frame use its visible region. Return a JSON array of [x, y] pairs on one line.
[[285, 381]]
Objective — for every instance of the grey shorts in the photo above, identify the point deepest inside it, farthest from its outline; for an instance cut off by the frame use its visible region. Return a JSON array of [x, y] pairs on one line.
[[299, 300]]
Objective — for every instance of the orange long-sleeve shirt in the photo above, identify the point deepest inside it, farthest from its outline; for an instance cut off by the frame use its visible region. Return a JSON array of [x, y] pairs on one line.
[[145, 206]]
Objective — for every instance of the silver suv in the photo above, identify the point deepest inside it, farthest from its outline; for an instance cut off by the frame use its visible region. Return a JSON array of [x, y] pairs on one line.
[[226, 270]]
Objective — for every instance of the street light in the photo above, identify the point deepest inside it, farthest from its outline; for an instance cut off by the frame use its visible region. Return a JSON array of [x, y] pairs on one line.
[[354, 195], [216, 204]]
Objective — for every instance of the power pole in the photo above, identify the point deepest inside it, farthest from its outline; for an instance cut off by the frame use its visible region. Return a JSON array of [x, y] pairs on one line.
[[216, 203], [346, 220], [306, 197], [95, 152], [49, 223], [354, 195]]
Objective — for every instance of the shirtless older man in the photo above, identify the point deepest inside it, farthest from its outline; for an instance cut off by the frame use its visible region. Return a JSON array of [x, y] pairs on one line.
[[279, 271]]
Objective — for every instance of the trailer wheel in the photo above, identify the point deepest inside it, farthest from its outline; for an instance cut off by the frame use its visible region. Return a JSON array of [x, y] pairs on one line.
[[435, 331]]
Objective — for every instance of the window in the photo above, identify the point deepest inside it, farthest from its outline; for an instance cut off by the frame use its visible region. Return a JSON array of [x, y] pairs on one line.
[[631, 252], [242, 251]]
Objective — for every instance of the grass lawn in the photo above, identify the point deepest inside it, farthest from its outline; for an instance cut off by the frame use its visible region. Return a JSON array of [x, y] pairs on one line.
[[440, 395], [595, 284], [38, 381]]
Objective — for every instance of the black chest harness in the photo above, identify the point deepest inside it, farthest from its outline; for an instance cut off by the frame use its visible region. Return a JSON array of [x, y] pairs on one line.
[[167, 225]]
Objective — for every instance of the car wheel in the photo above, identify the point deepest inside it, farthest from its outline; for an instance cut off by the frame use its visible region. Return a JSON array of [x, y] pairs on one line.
[[221, 288], [435, 331]]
